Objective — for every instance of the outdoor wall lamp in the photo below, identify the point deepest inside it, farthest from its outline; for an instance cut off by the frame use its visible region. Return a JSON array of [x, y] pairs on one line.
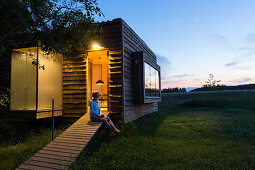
[[96, 46]]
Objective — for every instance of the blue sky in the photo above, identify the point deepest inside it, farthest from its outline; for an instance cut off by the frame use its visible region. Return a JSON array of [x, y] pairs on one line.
[[194, 38]]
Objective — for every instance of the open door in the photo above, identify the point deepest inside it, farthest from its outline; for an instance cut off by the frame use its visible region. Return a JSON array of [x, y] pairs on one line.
[[98, 76]]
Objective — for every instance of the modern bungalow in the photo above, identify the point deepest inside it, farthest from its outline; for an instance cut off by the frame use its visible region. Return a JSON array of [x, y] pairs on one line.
[[119, 65]]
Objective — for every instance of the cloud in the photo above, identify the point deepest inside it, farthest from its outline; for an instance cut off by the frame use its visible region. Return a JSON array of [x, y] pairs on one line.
[[163, 61], [231, 64], [245, 49], [238, 66], [182, 75], [242, 80], [243, 68], [172, 83]]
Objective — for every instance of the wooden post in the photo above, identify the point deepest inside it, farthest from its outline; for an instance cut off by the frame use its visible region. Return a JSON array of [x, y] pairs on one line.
[[52, 119]]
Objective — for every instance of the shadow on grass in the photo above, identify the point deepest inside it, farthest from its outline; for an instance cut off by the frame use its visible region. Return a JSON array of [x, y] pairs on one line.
[[14, 132], [148, 124]]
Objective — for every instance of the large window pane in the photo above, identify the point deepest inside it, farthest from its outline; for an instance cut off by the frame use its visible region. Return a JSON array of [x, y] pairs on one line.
[[157, 84], [151, 81], [49, 81], [23, 79], [147, 80]]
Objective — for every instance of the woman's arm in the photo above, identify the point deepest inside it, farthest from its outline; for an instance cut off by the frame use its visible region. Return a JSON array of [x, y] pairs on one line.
[[92, 108]]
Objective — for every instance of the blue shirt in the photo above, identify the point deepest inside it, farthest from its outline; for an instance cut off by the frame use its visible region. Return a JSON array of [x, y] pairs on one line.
[[95, 108]]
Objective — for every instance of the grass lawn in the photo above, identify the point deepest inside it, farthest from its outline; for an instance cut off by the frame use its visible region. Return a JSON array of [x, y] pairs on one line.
[[186, 132], [20, 140]]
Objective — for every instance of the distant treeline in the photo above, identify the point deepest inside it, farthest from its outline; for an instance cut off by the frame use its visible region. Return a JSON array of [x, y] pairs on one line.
[[176, 89], [223, 87]]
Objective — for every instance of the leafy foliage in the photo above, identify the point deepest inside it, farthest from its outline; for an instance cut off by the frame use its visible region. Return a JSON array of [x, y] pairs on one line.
[[223, 87], [4, 97], [211, 82], [65, 26], [172, 90]]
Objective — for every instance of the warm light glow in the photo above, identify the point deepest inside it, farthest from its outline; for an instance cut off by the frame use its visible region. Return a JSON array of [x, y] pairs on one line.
[[100, 82], [96, 46]]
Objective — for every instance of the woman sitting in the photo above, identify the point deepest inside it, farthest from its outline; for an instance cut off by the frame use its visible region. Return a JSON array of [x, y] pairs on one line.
[[96, 116]]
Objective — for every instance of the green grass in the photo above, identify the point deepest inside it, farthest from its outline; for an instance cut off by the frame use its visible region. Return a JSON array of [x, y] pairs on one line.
[[216, 99], [178, 137], [21, 140]]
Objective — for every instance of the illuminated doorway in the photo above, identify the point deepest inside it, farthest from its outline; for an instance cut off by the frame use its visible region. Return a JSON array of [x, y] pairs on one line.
[[98, 67]]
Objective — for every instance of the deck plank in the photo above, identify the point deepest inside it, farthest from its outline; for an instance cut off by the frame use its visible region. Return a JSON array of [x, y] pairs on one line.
[[57, 157], [55, 161], [64, 149], [46, 164]]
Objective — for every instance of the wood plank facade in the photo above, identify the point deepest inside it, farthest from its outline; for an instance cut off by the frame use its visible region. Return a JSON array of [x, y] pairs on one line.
[[121, 42], [133, 43]]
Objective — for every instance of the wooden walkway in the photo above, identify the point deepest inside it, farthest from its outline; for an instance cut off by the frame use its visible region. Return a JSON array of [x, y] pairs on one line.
[[64, 149]]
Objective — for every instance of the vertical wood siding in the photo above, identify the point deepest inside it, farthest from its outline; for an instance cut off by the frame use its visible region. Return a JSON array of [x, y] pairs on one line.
[[74, 75], [74, 86], [111, 38], [132, 43]]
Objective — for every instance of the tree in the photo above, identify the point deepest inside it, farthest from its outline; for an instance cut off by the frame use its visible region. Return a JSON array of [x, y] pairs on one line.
[[4, 97], [211, 82], [65, 26], [172, 90]]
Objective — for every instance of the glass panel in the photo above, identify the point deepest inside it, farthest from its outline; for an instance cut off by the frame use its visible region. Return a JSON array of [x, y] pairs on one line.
[[157, 84], [153, 82], [147, 80], [49, 81], [23, 79]]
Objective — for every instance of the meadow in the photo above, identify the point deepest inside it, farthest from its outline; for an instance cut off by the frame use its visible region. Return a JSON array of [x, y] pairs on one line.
[[197, 130], [19, 140]]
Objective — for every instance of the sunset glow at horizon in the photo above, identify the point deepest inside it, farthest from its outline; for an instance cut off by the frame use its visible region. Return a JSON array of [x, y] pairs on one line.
[[193, 39]]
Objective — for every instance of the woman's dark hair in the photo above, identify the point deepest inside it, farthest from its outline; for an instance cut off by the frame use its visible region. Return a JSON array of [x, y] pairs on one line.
[[94, 94]]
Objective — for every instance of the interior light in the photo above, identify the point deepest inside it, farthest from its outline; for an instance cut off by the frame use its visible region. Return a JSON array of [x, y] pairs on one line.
[[96, 46], [100, 82]]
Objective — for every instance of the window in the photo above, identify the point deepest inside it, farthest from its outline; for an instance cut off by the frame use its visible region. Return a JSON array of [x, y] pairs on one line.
[[151, 81], [147, 80], [23, 79], [24, 76], [49, 81]]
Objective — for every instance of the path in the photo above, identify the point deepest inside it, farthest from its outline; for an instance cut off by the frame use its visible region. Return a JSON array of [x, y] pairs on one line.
[[64, 149]]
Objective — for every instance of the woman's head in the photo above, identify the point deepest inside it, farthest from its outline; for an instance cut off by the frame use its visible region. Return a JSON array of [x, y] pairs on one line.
[[95, 95]]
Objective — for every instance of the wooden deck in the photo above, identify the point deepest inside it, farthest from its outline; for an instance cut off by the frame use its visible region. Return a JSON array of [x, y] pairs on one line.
[[64, 149]]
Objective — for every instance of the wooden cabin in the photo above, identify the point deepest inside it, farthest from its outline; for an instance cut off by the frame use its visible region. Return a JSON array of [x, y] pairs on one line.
[[119, 65]]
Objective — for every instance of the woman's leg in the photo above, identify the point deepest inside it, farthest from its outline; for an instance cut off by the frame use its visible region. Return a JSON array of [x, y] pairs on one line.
[[112, 125], [107, 124]]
